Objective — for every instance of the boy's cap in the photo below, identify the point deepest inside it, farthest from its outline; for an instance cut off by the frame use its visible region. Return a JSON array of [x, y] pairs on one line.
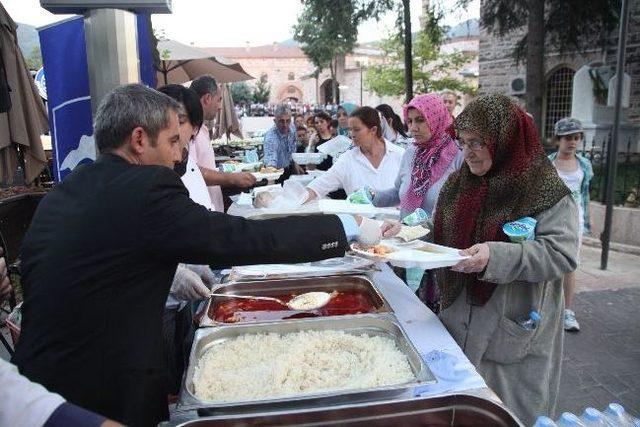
[[567, 126]]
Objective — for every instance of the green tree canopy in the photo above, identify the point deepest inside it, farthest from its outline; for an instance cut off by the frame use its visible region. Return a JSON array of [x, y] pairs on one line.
[[261, 91], [329, 28], [431, 68], [241, 92]]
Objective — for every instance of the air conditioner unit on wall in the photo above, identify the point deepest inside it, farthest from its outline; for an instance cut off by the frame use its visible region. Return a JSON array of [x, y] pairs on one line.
[[518, 86]]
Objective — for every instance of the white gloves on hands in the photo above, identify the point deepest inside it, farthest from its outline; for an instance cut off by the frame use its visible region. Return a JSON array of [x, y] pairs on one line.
[[192, 282], [370, 232]]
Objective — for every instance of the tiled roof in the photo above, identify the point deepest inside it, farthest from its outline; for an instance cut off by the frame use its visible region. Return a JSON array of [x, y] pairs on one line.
[[275, 50]]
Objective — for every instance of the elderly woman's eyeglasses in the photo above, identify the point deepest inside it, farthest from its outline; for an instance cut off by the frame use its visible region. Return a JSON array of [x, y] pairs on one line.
[[473, 145]]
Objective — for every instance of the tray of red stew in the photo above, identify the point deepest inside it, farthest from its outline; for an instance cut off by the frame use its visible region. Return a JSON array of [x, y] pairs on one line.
[[350, 295]]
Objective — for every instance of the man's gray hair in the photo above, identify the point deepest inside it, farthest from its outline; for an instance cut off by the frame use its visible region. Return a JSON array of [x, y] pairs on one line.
[[281, 110], [448, 92], [204, 85], [126, 108]]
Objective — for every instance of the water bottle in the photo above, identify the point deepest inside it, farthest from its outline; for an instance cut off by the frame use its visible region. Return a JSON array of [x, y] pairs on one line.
[[531, 322], [414, 278], [591, 417], [417, 217], [617, 416], [543, 421], [567, 419]]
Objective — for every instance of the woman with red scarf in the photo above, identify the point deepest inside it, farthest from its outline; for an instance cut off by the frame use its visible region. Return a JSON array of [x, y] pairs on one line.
[[506, 176]]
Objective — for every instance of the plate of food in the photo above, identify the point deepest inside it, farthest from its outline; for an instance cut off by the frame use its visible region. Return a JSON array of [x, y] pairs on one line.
[[377, 252], [269, 173]]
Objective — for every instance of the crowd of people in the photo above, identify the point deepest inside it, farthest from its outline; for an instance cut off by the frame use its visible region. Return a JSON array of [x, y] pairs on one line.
[[116, 252]]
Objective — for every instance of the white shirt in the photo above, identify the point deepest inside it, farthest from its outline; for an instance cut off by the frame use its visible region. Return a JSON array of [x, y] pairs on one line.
[[573, 180], [206, 158], [22, 402], [353, 170], [194, 181]]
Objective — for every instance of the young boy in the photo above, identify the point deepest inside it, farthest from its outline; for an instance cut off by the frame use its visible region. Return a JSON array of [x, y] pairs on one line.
[[576, 172]]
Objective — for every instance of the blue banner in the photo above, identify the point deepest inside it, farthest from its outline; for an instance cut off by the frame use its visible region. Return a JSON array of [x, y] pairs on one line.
[[64, 58]]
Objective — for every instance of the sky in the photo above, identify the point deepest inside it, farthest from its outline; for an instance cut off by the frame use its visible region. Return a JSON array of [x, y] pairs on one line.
[[224, 23]]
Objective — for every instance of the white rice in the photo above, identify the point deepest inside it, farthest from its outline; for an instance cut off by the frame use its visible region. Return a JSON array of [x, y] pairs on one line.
[[263, 366]]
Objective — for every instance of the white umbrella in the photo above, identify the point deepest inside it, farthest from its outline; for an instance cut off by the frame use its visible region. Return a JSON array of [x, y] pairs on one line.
[[180, 63]]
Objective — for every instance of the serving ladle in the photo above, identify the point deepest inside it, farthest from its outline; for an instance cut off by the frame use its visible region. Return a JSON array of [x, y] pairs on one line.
[[306, 301]]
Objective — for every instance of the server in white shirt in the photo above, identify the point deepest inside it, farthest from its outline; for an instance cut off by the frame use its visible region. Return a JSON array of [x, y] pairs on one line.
[[373, 161]]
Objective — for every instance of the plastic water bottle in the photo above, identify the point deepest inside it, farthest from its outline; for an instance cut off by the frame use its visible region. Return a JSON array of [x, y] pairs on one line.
[[567, 419], [414, 278], [617, 416], [531, 322], [591, 417], [543, 421], [417, 217]]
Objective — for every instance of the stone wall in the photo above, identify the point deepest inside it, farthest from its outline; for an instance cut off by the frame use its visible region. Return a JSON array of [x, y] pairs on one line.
[[498, 68]]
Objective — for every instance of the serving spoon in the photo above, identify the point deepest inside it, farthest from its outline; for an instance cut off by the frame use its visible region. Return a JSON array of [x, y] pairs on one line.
[[306, 301]]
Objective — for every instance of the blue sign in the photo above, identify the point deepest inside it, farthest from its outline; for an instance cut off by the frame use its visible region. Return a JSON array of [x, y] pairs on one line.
[[64, 58]]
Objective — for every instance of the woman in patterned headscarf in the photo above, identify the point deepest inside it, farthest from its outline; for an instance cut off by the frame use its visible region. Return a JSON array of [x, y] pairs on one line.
[[425, 167], [428, 162], [506, 176]]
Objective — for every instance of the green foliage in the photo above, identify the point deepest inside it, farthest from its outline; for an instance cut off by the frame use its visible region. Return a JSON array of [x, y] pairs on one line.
[[261, 91], [569, 24], [328, 28], [34, 59], [241, 93], [430, 67]]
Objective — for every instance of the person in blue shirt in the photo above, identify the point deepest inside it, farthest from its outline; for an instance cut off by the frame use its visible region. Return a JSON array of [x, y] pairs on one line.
[[279, 141], [576, 172]]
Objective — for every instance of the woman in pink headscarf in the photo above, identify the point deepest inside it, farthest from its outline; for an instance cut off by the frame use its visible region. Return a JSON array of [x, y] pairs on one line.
[[428, 162], [425, 167]]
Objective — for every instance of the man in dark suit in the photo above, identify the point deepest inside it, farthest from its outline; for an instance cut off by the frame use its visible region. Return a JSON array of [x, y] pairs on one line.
[[103, 247]]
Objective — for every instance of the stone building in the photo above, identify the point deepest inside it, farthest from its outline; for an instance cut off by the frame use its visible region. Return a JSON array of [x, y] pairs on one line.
[[499, 73], [289, 73]]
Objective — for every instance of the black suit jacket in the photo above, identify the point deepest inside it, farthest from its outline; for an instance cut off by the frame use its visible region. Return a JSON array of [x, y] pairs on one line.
[[97, 264]]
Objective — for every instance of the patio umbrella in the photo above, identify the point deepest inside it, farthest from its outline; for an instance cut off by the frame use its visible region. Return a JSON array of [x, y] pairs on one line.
[[180, 63], [25, 119], [228, 121]]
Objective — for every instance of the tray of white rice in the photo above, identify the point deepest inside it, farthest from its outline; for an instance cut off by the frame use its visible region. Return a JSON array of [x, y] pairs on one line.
[[302, 363]]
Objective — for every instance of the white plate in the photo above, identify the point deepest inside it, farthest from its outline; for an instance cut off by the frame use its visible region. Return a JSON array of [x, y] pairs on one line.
[[308, 158], [413, 257], [269, 176]]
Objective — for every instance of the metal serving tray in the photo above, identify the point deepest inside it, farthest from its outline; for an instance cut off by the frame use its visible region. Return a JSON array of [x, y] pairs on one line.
[[375, 325], [452, 410], [300, 285]]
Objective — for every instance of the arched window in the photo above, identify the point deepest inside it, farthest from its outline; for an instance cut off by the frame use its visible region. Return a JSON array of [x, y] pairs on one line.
[[558, 96], [291, 76]]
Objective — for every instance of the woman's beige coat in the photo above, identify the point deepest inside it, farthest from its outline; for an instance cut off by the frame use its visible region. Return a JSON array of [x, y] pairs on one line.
[[522, 366]]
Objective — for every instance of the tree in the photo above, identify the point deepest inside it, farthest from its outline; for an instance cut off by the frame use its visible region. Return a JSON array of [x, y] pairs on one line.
[[241, 93], [328, 29], [261, 91], [557, 25], [429, 67], [34, 60]]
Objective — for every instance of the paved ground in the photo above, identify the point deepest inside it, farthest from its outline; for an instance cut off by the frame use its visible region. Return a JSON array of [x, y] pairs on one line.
[[602, 361]]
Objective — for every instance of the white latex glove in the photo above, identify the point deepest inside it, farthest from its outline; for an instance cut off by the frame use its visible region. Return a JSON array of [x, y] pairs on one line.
[[204, 272], [370, 232], [187, 285]]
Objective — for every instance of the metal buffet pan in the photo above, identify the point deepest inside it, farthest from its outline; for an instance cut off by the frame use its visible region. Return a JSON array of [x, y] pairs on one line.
[[284, 286], [374, 325], [453, 410]]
